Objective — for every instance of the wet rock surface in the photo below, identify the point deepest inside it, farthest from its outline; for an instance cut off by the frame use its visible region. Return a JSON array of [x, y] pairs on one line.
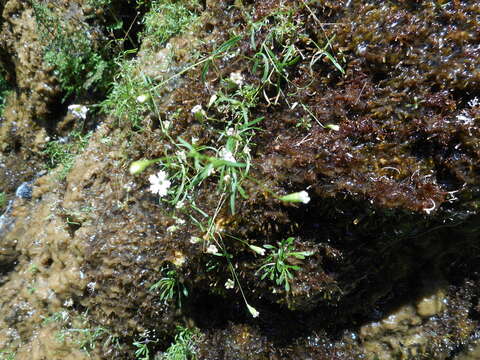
[[388, 152]]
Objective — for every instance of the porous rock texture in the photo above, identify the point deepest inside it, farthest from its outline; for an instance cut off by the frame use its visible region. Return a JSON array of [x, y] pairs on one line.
[[392, 223]]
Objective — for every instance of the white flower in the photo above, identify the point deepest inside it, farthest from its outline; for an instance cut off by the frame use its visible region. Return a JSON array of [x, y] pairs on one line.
[[182, 155], [230, 132], [166, 124], [212, 249], [79, 111], [237, 78], [198, 112], [142, 98], [179, 205], [227, 155], [178, 259], [474, 102], [246, 149], [194, 140], [195, 240], [159, 183], [304, 198], [229, 284], [91, 286], [68, 302], [172, 228], [227, 178], [301, 196], [253, 311], [213, 98], [257, 249], [196, 109]]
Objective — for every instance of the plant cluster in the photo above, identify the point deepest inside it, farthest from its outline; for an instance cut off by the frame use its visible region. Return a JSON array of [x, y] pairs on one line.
[[3, 201], [184, 346], [4, 90], [130, 97], [168, 18], [80, 64], [224, 161], [7, 355], [170, 287], [62, 152], [78, 331], [282, 262]]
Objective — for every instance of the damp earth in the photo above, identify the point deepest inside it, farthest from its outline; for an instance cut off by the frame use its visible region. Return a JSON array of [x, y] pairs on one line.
[[251, 180]]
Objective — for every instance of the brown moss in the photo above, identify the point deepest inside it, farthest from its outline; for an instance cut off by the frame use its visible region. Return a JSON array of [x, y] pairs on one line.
[[382, 188]]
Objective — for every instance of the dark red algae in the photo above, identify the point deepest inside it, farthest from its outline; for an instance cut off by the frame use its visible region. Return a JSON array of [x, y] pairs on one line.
[[376, 117]]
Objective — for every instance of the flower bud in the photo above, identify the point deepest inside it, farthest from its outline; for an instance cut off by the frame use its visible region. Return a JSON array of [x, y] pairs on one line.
[[301, 196], [139, 166], [257, 249], [253, 311]]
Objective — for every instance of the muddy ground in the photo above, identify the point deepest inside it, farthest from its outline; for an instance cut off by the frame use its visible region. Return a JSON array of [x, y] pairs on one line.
[[382, 133]]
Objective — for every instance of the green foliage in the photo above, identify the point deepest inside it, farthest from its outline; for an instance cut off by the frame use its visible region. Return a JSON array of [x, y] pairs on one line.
[[167, 18], [4, 90], [99, 3], [278, 266], [129, 83], [184, 347], [77, 330], [62, 152], [3, 200], [79, 66], [142, 352], [277, 51], [7, 355], [170, 287]]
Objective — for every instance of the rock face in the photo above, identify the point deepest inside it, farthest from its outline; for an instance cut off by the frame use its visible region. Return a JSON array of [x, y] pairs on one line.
[[370, 107]]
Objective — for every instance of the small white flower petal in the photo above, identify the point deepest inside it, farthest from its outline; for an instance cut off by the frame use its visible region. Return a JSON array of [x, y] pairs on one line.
[[195, 240], [212, 100], [142, 98], [212, 249], [196, 109], [79, 111], [237, 78], [227, 155], [229, 284], [159, 183]]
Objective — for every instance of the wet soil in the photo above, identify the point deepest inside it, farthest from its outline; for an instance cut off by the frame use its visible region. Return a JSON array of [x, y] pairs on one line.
[[392, 222]]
